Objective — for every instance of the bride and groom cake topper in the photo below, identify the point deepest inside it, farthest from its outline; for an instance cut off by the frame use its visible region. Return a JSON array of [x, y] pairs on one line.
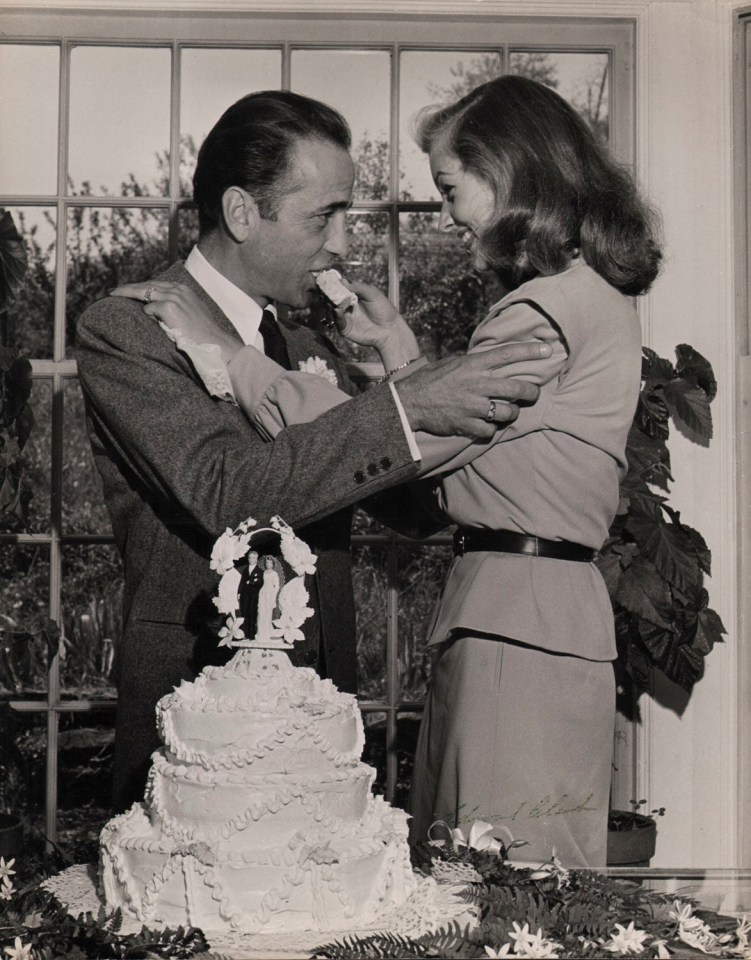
[[262, 592]]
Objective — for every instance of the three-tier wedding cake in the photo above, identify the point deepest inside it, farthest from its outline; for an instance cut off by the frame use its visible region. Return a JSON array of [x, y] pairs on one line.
[[259, 815]]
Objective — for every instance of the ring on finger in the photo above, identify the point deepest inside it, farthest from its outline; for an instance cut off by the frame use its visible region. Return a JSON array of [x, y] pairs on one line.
[[148, 295], [490, 415]]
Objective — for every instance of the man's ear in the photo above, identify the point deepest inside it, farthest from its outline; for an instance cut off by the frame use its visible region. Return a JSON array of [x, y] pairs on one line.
[[240, 213]]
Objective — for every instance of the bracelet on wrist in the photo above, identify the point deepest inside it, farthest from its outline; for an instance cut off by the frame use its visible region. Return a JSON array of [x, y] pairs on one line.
[[388, 375]]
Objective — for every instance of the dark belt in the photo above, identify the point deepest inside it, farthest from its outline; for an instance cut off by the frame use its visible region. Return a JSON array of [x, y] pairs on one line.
[[507, 541]]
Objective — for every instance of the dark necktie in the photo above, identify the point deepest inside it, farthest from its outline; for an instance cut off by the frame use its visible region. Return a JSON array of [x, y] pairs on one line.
[[274, 344]]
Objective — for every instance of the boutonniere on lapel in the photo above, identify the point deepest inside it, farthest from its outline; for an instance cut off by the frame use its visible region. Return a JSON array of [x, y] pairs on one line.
[[320, 368]]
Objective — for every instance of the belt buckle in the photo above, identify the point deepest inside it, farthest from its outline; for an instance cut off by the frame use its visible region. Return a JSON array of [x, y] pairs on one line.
[[460, 542]]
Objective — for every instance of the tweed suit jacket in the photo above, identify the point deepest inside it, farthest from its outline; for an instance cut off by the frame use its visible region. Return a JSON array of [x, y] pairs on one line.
[[178, 467]]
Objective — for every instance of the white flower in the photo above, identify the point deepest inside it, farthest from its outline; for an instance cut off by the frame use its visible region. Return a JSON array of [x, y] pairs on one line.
[[227, 549], [229, 585], [480, 836], [19, 951], [6, 868], [692, 930], [660, 949], [553, 868], [7, 889], [742, 930], [504, 951], [626, 940], [231, 631], [318, 366], [532, 944]]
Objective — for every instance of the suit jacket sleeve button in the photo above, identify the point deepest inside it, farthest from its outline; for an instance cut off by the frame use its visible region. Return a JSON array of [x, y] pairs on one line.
[[359, 476], [386, 463], [372, 469]]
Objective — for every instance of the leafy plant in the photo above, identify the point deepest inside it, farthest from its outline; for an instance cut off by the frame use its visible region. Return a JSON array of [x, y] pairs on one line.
[[654, 564], [633, 819], [16, 417], [548, 912]]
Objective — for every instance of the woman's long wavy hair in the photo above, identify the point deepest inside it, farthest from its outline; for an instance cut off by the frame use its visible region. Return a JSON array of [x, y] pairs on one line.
[[557, 190]]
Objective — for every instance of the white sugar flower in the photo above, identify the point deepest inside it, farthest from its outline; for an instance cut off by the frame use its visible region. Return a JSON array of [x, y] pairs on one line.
[[504, 951], [6, 868], [229, 586], [19, 951], [231, 631], [297, 554], [627, 940], [227, 549], [319, 367]]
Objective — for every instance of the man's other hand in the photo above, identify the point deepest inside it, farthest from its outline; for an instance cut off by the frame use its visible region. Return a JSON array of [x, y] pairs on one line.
[[471, 395]]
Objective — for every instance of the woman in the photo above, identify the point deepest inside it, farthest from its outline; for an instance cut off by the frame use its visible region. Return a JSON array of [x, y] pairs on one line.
[[267, 599], [518, 725]]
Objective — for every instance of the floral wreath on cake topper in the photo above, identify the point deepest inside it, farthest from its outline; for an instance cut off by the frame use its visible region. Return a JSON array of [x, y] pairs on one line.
[[227, 557]]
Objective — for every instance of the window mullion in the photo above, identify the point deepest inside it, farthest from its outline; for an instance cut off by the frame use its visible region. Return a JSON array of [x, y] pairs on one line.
[[173, 240]]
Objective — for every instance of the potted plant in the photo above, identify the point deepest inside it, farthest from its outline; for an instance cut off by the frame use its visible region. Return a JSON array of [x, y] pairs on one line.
[[632, 835], [654, 564]]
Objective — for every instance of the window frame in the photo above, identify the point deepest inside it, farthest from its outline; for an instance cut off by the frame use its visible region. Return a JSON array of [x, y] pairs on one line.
[[68, 30]]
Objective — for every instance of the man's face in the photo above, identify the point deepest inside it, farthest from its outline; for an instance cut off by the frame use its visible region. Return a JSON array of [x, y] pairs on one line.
[[309, 230]]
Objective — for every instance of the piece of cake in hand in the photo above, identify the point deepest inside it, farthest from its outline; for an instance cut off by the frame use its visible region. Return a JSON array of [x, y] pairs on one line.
[[331, 286], [259, 815]]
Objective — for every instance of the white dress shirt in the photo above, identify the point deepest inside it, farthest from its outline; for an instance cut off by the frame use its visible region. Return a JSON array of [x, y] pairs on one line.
[[241, 310]]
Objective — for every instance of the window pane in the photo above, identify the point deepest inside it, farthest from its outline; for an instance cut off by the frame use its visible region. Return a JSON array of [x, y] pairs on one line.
[[441, 298], [27, 326], [92, 618], [187, 231], [429, 77], [108, 246], [357, 84], [37, 456], [374, 752], [83, 504], [23, 745], [370, 576], [84, 782], [582, 78], [28, 118], [119, 120], [422, 572], [24, 610], [211, 80]]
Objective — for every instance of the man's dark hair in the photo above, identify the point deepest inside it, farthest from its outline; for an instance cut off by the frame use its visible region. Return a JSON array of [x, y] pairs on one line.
[[251, 146]]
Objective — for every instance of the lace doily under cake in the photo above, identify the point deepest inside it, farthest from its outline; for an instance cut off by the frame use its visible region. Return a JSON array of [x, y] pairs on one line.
[[431, 906]]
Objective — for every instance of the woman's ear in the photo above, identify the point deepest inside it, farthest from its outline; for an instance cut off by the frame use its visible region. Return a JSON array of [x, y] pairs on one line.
[[240, 213]]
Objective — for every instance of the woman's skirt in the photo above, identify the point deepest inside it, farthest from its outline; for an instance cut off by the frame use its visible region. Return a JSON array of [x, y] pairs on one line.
[[523, 739]]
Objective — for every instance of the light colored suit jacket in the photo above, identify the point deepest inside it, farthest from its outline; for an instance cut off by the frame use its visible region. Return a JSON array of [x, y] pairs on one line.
[[553, 473]]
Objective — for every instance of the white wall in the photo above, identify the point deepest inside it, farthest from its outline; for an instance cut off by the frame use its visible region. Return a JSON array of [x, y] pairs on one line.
[[688, 760]]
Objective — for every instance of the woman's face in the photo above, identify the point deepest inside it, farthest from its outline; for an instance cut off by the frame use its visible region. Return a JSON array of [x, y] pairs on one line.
[[467, 200]]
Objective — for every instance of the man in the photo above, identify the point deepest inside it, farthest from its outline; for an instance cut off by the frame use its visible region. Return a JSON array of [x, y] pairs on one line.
[[272, 184]]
